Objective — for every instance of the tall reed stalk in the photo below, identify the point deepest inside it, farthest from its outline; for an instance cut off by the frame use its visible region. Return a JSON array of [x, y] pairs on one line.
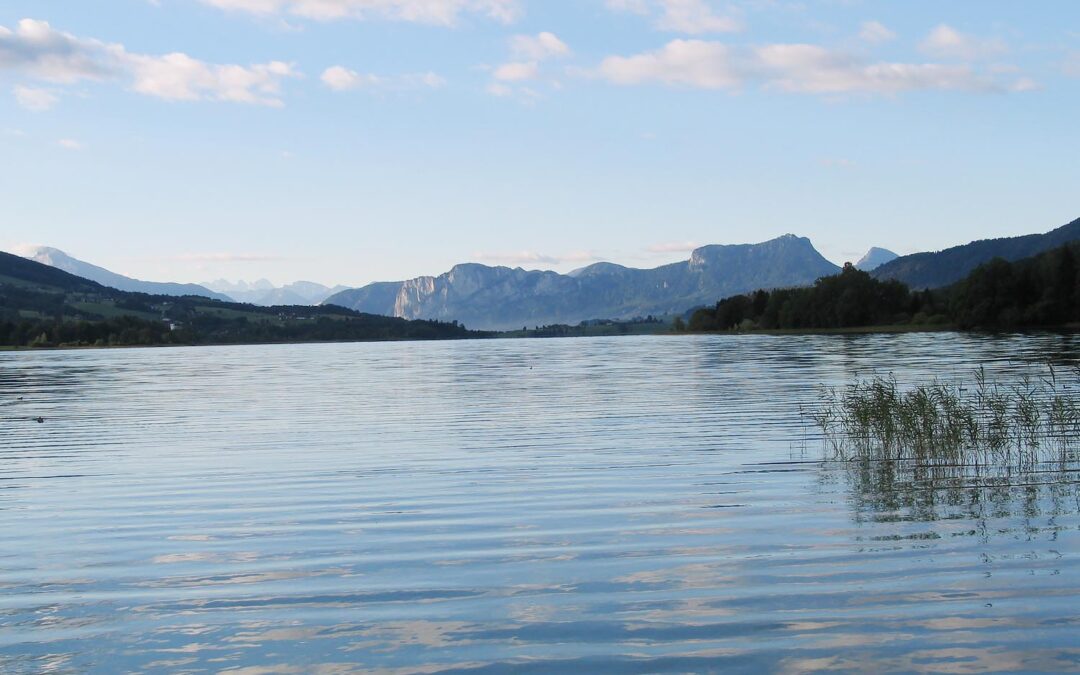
[[1032, 419]]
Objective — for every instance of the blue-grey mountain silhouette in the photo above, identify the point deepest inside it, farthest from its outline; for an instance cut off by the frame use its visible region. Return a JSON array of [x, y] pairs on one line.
[[500, 298], [60, 260], [875, 258]]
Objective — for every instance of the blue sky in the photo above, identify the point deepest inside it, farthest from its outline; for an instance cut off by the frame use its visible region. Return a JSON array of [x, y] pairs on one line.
[[347, 141]]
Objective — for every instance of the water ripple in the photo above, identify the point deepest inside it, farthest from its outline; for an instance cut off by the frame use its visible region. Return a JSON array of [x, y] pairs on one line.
[[629, 505]]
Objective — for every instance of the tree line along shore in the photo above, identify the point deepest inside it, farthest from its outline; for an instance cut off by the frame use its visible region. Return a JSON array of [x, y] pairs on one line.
[[1038, 292]]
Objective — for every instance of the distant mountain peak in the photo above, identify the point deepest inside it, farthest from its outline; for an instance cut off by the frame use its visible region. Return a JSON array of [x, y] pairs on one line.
[[54, 257], [875, 258], [597, 268]]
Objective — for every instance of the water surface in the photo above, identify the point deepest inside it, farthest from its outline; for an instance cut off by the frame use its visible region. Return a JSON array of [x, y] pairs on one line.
[[634, 504]]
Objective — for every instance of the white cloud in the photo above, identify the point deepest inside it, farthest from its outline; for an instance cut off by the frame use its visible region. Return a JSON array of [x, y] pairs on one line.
[[178, 77], [538, 47], [35, 48], [38, 50], [694, 17], [798, 68], [226, 257], [340, 78], [673, 247], [70, 144], [442, 12], [874, 32], [23, 249], [534, 258], [945, 42], [1071, 65], [530, 50], [517, 71], [1025, 84], [428, 79], [633, 6], [693, 63], [525, 95], [817, 70], [34, 99]]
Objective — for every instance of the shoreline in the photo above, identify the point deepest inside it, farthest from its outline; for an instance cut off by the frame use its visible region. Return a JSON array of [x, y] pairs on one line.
[[778, 332], [64, 348]]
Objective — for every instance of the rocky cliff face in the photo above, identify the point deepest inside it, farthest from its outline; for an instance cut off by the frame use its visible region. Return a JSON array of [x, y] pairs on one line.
[[500, 298]]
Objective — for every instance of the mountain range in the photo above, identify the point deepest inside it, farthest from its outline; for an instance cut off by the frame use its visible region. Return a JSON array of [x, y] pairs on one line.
[[503, 298], [264, 293], [261, 292], [41, 305], [934, 270], [56, 258]]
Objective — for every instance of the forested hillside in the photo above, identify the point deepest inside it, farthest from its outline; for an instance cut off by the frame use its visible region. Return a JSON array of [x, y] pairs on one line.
[[1040, 291], [934, 270], [42, 306]]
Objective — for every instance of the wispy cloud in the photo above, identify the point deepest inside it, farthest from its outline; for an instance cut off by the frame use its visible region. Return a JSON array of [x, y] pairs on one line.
[[530, 51], [179, 77], [36, 49], [516, 71], [945, 42], [22, 248], [534, 257], [33, 98], [340, 78], [439, 12], [222, 257], [796, 68], [673, 247], [874, 32], [694, 63], [538, 47], [70, 144], [1071, 65], [693, 17], [818, 70]]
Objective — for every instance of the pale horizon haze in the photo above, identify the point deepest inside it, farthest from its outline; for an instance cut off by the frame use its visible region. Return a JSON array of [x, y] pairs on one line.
[[351, 141]]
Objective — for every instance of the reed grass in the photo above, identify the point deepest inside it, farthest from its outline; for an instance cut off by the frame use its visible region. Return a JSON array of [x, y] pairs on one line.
[[1029, 420]]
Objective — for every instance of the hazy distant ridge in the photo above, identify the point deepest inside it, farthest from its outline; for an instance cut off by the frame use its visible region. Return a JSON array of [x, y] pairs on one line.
[[496, 298], [60, 260], [264, 293]]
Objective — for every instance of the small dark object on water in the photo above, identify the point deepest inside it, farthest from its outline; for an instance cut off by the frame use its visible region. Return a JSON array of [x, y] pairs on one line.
[[39, 420]]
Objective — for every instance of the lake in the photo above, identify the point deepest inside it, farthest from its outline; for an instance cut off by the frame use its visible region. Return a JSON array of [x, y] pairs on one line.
[[627, 505]]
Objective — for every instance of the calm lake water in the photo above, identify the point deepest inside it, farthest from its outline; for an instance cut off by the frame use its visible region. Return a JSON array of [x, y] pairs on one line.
[[631, 505]]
